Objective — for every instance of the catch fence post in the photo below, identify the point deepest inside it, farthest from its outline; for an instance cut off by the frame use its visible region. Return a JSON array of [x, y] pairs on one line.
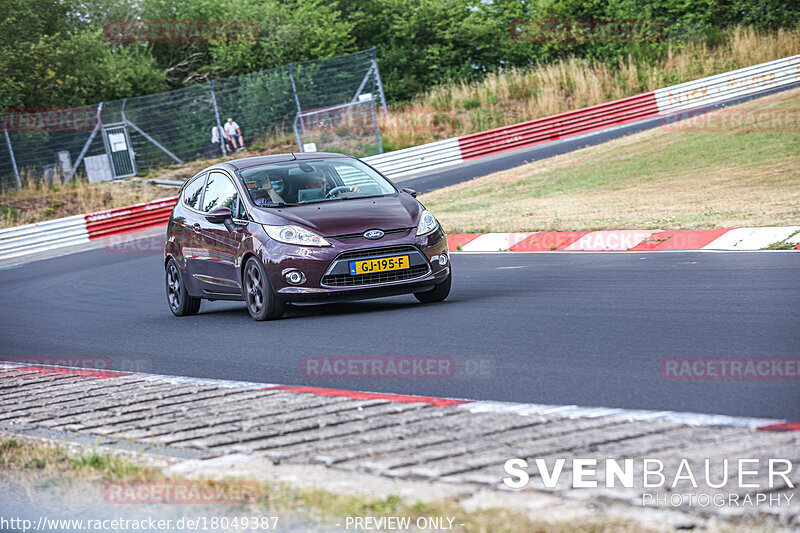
[[13, 159], [216, 115]]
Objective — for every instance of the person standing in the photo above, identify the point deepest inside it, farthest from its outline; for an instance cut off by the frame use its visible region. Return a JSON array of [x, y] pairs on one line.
[[234, 134]]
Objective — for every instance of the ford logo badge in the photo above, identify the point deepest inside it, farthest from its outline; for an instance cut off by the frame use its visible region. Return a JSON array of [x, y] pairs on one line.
[[373, 234]]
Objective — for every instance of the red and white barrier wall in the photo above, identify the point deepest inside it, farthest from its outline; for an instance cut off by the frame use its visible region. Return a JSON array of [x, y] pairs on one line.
[[129, 218], [81, 229], [670, 101]]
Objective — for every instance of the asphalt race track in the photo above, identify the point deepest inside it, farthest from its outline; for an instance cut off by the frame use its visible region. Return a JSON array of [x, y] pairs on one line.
[[555, 328]]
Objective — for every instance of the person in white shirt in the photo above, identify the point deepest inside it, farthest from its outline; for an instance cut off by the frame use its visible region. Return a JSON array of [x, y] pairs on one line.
[[216, 139], [234, 134]]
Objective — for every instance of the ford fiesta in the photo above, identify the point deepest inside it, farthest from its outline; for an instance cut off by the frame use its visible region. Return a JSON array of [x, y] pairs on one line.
[[310, 227]]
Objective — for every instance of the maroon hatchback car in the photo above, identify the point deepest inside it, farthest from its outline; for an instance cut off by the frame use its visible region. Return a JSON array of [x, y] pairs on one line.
[[311, 227]]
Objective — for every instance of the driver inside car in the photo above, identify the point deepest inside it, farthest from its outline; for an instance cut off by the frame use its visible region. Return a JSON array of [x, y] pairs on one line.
[[261, 194], [317, 187], [314, 187]]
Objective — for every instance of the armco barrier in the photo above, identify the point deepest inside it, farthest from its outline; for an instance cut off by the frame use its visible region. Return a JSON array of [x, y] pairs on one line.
[[31, 238], [676, 99], [734, 84], [78, 229], [417, 159], [586, 120], [130, 218]]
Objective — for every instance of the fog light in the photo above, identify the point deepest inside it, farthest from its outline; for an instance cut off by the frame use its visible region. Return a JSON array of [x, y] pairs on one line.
[[443, 259], [295, 277]]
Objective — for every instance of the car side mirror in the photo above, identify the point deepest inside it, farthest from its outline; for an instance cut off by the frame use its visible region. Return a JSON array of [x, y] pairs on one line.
[[412, 192], [222, 215]]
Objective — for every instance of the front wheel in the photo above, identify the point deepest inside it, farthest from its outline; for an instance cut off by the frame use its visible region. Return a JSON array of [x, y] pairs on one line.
[[180, 303], [262, 302], [437, 294]]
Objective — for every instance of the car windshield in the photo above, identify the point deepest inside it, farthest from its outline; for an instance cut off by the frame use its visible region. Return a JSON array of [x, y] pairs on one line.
[[313, 180]]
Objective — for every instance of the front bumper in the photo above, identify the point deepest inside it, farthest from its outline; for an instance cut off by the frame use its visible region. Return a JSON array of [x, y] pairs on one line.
[[324, 268]]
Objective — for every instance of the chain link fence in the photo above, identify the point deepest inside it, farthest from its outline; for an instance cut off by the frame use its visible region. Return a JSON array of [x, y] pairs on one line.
[[337, 97]]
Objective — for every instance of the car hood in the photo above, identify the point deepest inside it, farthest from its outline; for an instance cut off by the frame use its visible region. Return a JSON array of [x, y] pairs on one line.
[[343, 217]]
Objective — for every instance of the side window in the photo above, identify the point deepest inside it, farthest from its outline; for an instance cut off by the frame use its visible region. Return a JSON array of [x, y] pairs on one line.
[[193, 191], [241, 212], [220, 192]]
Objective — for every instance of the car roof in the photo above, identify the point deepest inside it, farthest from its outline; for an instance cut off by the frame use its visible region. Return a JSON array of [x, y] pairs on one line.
[[247, 162]]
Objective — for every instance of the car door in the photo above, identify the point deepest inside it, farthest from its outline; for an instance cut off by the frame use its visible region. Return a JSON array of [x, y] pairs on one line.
[[187, 219], [218, 272]]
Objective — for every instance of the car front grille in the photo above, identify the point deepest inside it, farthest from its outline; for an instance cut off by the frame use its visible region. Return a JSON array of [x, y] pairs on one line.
[[361, 235], [377, 252], [349, 280]]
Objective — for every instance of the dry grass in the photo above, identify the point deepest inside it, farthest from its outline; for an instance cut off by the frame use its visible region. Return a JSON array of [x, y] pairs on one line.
[[38, 201], [518, 95], [40, 459], [681, 176]]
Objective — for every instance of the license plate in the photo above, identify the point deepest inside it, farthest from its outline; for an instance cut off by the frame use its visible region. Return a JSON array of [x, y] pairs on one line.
[[368, 266]]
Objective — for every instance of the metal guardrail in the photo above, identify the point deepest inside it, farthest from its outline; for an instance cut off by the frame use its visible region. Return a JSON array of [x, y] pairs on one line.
[[31, 238], [418, 158], [729, 85], [555, 127], [129, 218]]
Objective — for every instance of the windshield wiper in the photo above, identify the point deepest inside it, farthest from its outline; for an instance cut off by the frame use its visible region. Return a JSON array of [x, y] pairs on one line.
[[357, 197], [279, 204]]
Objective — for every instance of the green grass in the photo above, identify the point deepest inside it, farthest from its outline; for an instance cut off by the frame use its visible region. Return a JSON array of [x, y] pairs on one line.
[[783, 245], [680, 176], [114, 467], [16, 454]]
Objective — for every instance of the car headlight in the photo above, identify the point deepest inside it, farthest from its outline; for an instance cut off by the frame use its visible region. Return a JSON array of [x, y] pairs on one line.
[[295, 235], [427, 223]]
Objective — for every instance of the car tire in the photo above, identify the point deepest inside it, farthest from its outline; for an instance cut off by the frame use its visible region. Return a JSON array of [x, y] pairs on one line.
[[437, 294], [178, 300], [262, 302]]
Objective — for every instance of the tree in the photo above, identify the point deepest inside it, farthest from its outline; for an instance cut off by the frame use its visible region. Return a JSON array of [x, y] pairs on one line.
[[47, 61], [420, 42], [287, 31]]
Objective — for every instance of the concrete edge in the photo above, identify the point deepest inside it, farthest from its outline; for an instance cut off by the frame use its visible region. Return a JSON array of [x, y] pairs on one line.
[[473, 406]]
